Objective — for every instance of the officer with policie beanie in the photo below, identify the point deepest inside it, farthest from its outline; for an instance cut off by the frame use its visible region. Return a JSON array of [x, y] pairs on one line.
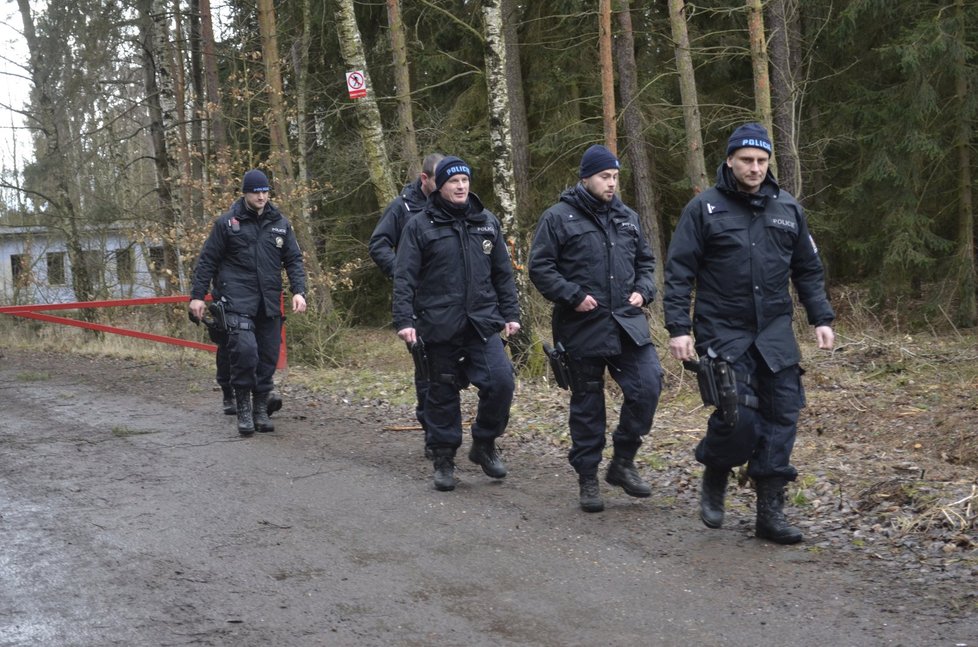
[[454, 291], [243, 258], [737, 245]]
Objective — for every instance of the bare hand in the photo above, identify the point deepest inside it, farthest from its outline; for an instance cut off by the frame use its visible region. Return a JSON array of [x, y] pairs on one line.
[[682, 347], [197, 307], [825, 337], [408, 335], [587, 305], [298, 303], [511, 328], [636, 299]]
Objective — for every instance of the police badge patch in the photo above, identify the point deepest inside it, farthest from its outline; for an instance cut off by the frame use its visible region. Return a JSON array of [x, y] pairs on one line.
[[279, 241], [487, 247]]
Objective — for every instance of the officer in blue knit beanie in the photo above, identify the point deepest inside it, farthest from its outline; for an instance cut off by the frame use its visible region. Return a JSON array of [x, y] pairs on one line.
[[454, 294], [591, 258], [738, 247]]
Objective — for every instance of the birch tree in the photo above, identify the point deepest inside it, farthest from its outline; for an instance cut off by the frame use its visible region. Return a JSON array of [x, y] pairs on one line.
[[504, 184], [368, 114], [695, 164], [151, 14]]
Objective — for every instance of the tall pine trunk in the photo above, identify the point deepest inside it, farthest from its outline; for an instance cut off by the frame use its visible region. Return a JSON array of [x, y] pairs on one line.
[[758, 58], [782, 21], [402, 82], [215, 114], [281, 153], [695, 164], [967, 313], [607, 76], [634, 124]]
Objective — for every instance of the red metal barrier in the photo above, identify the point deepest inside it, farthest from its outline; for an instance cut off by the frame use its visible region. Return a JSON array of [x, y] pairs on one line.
[[31, 311]]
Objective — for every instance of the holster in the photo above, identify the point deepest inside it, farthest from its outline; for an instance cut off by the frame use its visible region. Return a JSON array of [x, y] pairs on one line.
[[219, 320], [717, 381], [420, 357], [557, 357], [446, 365]]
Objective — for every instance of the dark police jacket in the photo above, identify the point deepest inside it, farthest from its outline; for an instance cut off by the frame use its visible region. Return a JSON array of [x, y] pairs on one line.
[[244, 255], [739, 251], [453, 272], [575, 253], [387, 233]]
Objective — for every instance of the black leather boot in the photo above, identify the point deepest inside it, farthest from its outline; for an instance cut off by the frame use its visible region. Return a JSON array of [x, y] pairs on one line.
[[246, 421], [622, 472], [444, 462], [228, 401], [260, 409], [712, 492], [591, 500], [771, 522], [484, 454], [274, 402]]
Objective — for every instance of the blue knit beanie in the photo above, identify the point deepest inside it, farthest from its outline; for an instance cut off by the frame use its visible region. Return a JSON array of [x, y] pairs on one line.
[[596, 159], [448, 167], [752, 135], [254, 182]]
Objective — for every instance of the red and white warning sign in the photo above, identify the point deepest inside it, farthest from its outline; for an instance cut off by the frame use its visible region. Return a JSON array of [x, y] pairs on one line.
[[356, 84]]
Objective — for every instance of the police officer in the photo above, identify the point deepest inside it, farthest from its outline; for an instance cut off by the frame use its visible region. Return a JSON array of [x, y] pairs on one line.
[[590, 258], [738, 244], [383, 248], [222, 358], [244, 255], [454, 288]]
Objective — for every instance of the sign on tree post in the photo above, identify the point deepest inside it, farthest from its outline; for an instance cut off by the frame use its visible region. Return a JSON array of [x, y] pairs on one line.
[[356, 84]]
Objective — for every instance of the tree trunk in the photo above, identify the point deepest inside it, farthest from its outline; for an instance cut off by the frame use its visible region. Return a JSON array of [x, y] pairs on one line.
[[967, 313], [781, 14], [215, 114], [607, 76], [695, 164], [368, 114], [168, 214], [54, 140], [504, 184], [199, 192], [519, 128], [634, 124], [402, 82], [180, 99], [281, 154], [758, 57]]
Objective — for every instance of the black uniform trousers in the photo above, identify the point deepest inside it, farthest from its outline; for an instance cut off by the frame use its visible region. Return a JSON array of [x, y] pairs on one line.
[[223, 356], [639, 374], [253, 347], [455, 364], [763, 437]]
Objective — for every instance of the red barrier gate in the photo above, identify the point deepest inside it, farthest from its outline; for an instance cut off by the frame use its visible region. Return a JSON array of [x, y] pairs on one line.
[[31, 311]]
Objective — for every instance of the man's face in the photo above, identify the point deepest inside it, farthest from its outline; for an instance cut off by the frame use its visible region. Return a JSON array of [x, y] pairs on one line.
[[749, 166], [602, 184], [257, 200], [456, 189]]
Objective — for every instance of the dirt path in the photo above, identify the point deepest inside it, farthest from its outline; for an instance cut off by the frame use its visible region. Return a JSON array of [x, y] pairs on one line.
[[132, 514]]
